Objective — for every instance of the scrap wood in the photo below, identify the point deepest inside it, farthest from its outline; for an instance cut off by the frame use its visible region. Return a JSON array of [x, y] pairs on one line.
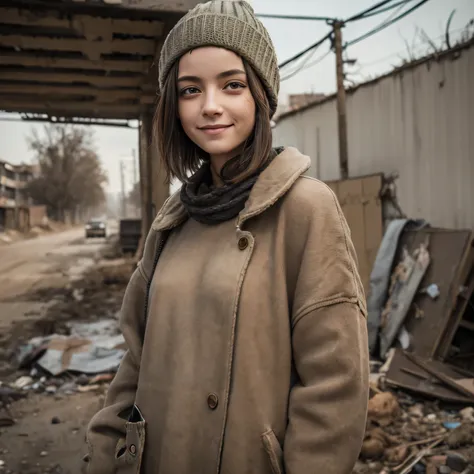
[[407, 278], [407, 467], [444, 378]]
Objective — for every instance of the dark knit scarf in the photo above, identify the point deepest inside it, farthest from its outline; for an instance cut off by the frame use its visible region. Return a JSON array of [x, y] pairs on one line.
[[209, 204]]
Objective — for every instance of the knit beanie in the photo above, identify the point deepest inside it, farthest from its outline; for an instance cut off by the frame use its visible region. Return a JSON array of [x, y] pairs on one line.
[[229, 24]]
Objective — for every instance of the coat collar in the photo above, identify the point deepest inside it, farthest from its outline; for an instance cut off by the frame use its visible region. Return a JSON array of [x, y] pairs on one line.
[[271, 185]]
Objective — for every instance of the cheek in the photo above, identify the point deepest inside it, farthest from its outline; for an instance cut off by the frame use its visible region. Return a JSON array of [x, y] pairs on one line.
[[249, 112], [185, 112]]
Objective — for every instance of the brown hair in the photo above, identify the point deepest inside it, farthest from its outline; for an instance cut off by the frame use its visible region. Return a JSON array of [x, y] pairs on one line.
[[181, 156]]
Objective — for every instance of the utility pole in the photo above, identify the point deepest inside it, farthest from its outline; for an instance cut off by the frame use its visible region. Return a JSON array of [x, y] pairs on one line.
[[135, 169], [341, 101], [122, 184]]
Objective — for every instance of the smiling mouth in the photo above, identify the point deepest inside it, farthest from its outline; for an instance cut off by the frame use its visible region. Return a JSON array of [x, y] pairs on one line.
[[215, 129]]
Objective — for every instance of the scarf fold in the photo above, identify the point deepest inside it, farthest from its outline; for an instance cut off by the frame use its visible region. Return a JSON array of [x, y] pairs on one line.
[[209, 204]]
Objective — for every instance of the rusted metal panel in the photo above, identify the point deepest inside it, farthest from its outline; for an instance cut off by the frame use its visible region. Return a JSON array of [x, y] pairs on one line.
[[417, 122]]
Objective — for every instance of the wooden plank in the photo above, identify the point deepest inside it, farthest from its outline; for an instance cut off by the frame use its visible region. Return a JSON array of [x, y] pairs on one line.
[[103, 64], [447, 249], [450, 382], [74, 109], [399, 302], [92, 49], [467, 325], [373, 219], [351, 200], [403, 373], [45, 90], [455, 319], [71, 78], [83, 24]]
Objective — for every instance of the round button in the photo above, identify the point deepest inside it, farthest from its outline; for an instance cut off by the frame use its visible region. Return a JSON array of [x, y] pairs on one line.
[[212, 401], [133, 449], [243, 243]]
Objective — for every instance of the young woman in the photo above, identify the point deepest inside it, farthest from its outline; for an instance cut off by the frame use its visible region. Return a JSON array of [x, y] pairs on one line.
[[245, 319]]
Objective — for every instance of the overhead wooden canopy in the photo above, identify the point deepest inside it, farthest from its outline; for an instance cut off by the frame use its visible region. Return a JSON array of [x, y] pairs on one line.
[[83, 58]]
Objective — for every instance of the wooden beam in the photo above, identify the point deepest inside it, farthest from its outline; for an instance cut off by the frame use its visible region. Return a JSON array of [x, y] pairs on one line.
[[102, 65], [91, 49], [100, 94], [71, 78], [83, 24], [72, 109]]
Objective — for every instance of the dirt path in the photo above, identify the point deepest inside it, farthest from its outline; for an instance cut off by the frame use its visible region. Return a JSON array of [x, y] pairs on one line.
[[38, 279], [27, 264], [49, 434]]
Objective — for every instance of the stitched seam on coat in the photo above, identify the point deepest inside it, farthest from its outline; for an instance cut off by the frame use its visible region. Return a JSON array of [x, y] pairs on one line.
[[322, 304]]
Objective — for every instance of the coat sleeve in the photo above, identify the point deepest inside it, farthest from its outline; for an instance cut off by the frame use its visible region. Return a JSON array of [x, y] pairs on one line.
[[328, 403], [107, 427]]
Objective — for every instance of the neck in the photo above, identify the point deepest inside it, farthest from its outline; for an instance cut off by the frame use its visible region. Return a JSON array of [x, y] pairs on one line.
[[217, 163]]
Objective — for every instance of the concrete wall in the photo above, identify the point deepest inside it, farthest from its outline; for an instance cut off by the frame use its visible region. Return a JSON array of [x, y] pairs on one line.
[[418, 121]]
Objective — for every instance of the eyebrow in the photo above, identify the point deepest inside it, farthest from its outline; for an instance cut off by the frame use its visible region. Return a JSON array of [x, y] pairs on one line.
[[231, 72]]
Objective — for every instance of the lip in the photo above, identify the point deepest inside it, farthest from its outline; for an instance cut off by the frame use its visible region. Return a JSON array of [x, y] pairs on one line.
[[214, 129]]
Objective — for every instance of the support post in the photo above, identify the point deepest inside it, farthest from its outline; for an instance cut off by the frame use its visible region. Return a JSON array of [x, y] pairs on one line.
[[341, 101]]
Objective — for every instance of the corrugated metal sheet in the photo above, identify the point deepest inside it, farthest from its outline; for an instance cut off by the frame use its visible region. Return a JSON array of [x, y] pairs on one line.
[[417, 121]]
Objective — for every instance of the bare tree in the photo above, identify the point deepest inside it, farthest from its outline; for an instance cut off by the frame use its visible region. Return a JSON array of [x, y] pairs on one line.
[[71, 179]]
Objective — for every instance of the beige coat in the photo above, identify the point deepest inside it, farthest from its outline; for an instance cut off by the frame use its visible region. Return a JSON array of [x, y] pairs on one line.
[[255, 359]]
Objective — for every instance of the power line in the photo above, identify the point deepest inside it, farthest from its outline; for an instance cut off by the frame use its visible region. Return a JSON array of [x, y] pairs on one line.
[[386, 24], [364, 13], [295, 17], [306, 66], [369, 11], [381, 10], [309, 48]]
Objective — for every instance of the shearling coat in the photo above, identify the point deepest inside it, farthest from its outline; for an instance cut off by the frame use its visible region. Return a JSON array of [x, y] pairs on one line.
[[254, 359]]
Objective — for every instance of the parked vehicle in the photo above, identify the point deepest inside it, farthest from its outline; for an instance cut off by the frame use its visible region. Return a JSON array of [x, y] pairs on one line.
[[96, 228]]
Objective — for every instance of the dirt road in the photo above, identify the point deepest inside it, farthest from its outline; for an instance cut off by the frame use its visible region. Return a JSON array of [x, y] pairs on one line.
[[27, 264], [47, 430]]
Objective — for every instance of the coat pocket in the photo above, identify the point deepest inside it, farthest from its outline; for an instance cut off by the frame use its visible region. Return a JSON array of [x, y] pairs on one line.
[[129, 450], [274, 451]]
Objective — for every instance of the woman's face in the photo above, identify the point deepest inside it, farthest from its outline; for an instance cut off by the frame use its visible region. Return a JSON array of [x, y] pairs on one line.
[[216, 108]]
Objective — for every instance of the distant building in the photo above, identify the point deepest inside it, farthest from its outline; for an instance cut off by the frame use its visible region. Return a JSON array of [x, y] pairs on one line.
[[14, 201]]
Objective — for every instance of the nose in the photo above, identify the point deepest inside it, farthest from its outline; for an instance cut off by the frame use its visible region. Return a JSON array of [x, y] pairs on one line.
[[211, 106]]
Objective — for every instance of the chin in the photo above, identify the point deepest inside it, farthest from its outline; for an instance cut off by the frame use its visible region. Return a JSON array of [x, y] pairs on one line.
[[218, 149]]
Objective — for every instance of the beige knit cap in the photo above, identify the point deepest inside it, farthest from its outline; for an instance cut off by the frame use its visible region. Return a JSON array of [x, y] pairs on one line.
[[229, 24]]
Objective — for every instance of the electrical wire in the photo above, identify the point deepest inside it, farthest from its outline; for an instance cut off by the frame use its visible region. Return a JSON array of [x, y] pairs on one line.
[[306, 66], [381, 10], [386, 24], [374, 10], [307, 50], [295, 17], [370, 11]]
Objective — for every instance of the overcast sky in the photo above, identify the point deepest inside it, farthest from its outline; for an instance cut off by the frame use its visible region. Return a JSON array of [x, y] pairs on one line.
[[374, 56]]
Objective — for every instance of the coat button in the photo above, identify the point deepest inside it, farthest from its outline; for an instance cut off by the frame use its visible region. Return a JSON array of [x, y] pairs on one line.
[[212, 401], [243, 243], [133, 449]]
